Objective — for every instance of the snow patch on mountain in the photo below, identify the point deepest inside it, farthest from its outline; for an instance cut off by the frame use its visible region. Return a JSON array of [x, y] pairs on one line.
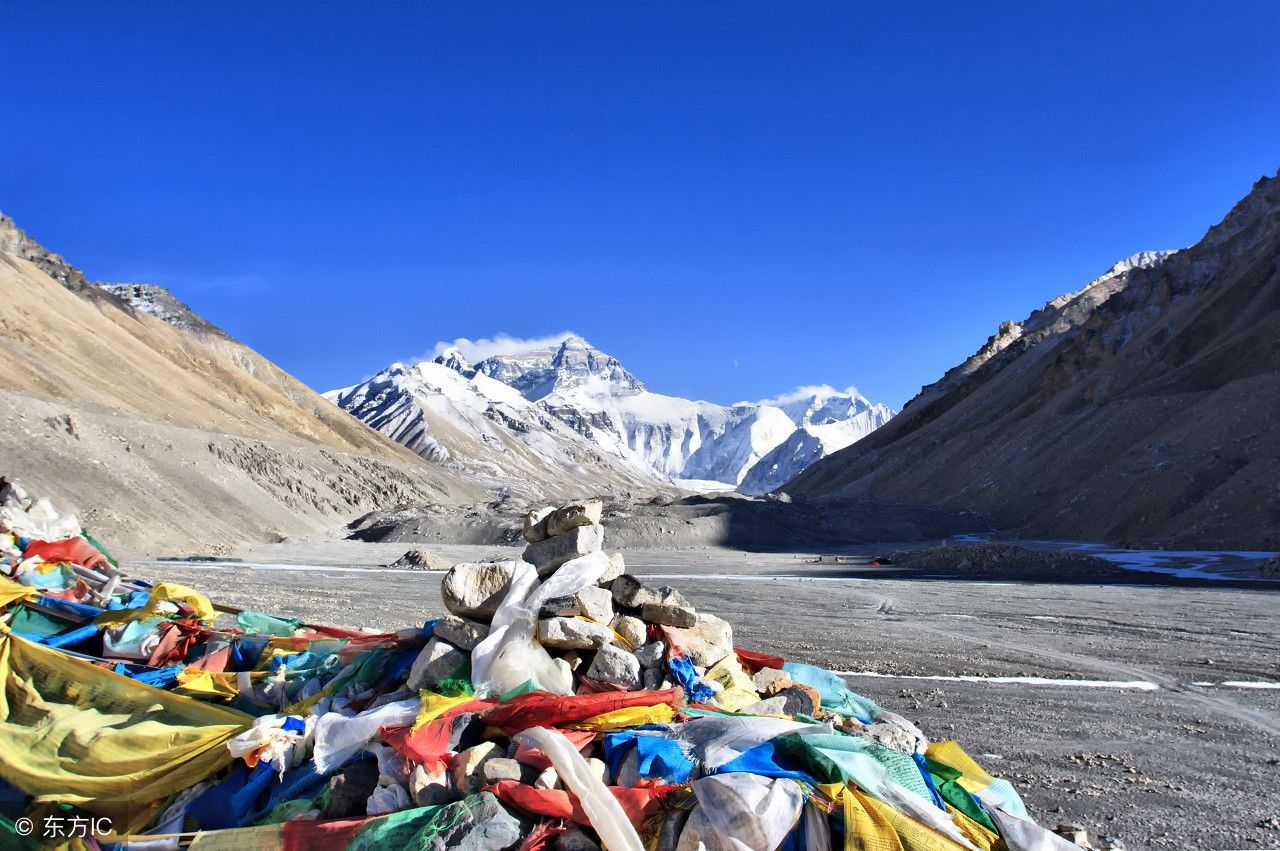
[[158, 301]]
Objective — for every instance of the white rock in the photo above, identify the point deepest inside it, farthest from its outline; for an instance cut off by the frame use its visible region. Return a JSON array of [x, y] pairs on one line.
[[437, 662], [650, 655], [615, 666], [461, 632], [593, 602], [632, 630], [617, 567], [535, 524], [547, 555], [468, 767], [574, 515], [706, 642], [475, 591], [572, 634]]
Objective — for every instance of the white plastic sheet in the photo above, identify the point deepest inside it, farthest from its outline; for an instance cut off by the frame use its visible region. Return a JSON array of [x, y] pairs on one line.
[[742, 812], [1021, 835], [605, 813], [510, 654], [339, 737], [282, 749]]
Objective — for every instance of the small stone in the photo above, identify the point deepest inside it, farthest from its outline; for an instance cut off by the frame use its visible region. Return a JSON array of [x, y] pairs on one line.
[[599, 769], [776, 705], [669, 596], [651, 679], [535, 524], [629, 770], [631, 592], [572, 634], [476, 591], [666, 615], [546, 779], [650, 655], [428, 789], [349, 791], [630, 629], [798, 700], [481, 823], [549, 554], [615, 666], [770, 680], [592, 602], [1074, 833], [706, 642], [469, 766], [420, 559], [575, 839], [502, 769], [574, 515], [460, 632], [617, 567], [437, 662]]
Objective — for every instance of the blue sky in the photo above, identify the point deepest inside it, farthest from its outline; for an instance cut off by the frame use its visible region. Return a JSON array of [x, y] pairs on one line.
[[734, 198]]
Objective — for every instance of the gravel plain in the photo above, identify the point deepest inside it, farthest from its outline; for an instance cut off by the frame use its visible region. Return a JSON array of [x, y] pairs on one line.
[[1116, 711]]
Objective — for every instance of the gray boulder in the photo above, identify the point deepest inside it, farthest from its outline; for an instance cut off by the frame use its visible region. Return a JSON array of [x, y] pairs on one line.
[[592, 602], [437, 662], [572, 634], [462, 633], [616, 666], [574, 515], [547, 555], [665, 615], [419, 559], [535, 524], [475, 590]]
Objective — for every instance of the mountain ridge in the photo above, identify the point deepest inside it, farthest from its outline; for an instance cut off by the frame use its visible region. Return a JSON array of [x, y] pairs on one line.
[[668, 439], [1137, 410], [163, 431]]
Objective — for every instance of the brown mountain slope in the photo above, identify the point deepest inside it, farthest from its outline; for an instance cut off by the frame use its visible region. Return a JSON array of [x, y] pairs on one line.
[[169, 437], [1144, 409]]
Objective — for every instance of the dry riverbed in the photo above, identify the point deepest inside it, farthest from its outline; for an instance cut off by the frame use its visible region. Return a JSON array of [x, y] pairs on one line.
[[1139, 709]]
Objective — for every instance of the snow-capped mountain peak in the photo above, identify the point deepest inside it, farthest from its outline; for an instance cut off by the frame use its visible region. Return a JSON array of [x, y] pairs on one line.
[[572, 363], [453, 358], [563, 391]]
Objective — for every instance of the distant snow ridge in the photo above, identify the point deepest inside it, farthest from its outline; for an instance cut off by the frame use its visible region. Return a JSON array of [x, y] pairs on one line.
[[571, 394]]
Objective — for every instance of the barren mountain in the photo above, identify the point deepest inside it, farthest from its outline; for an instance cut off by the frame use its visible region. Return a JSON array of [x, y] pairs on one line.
[[166, 433], [1141, 409]]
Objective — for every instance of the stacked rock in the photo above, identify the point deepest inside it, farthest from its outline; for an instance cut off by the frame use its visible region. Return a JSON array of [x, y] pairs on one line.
[[558, 535], [619, 632]]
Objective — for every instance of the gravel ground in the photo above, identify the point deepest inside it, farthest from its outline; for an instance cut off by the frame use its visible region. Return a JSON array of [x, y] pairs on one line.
[[1174, 760]]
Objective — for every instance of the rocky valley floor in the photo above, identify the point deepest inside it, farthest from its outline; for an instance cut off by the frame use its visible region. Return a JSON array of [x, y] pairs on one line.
[[1136, 708]]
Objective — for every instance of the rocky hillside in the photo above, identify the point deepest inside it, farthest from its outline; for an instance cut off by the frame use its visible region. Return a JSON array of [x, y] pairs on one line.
[[571, 399], [1141, 409], [162, 431]]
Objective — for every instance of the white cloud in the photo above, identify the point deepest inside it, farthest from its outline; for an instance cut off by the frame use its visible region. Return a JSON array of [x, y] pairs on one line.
[[822, 391], [498, 344]]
